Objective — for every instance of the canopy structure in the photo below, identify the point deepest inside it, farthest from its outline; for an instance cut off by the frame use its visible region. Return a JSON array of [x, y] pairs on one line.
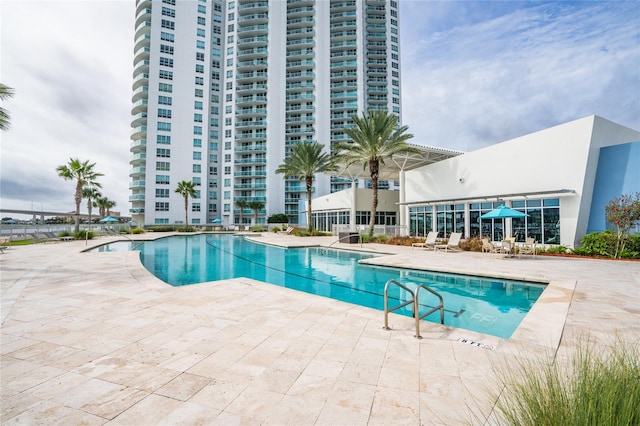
[[217, 220], [391, 169]]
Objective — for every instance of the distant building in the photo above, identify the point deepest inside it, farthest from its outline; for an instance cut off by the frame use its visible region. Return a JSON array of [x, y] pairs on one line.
[[222, 90]]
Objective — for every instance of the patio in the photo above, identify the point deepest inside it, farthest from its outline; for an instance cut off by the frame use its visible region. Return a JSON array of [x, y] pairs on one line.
[[94, 338]]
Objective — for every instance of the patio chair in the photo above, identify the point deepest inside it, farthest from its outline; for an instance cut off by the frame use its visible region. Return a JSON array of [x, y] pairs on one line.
[[429, 242], [452, 244], [507, 247], [489, 247], [529, 247]]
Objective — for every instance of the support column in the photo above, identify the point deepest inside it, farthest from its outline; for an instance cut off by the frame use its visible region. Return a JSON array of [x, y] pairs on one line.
[[352, 219], [403, 210]]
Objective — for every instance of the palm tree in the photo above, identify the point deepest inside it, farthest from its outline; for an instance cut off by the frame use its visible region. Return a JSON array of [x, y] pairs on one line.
[[84, 175], [242, 204], [5, 92], [255, 205], [305, 160], [186, 189], [108, 204], [374, 139], [90, 193]]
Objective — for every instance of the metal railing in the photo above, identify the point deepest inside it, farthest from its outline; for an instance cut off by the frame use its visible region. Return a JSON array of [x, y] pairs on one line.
[[413, 301]]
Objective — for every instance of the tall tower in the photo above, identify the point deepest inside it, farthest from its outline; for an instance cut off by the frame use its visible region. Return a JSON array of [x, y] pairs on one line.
[[223, 89]]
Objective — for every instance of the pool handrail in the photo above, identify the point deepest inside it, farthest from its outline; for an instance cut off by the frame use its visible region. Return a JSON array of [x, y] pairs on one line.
[[414, 301]]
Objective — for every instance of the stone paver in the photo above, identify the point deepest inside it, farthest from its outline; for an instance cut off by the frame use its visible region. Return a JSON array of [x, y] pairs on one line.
[[94, 338]]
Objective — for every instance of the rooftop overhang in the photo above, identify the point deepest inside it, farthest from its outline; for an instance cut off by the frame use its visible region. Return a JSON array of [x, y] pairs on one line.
[[390, 170], [497, 197]]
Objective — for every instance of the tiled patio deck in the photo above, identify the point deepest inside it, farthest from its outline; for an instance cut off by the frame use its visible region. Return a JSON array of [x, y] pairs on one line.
[[93, 338]]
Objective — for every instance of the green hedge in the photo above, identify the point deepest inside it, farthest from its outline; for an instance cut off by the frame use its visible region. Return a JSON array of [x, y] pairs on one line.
[[604, 244]]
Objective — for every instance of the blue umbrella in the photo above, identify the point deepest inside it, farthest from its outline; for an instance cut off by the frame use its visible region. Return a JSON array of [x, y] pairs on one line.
[[502, 212], [109, 219], [216, 220]]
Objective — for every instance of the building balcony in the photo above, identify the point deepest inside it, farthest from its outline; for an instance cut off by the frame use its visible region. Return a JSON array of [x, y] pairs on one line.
[[348, 43], [256, 18], [292, 65], [302, 42], [250, 198], [303, 22], [250, 111], [376, 36], [139, 106], [295, 75], [137, 171], [142, 15], [258, 147], [300, 11], [250, 186], [138, 210], [301, 108], [257, 63], [251, 99], [251, 173], [137, 197], [249, 124], [250, 161], [253, 53], [303, 85], [246, 42], [139, 119], [246, 77], [376, 9], [342, 5], [138, 132], [343, 35], [253, 7], [139, 145], [301, 96], [254, 30], [301, 32], [300, 3], [250, 87], [352, 94], [144, 40], [143, 28], [376, 71], [249, 136], [300, 120], [141, 67], [136, 184], [343, 64], [301, 53], [141, 80]]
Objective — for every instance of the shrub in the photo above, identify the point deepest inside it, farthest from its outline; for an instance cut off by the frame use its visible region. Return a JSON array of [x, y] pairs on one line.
[[160, 228], [137, 230], [258, 228], [187, 229], [596, 387], [278, 218], [83, 235], [403, 241], [472, 244], [276, 229], [556, 250], [64, 234]]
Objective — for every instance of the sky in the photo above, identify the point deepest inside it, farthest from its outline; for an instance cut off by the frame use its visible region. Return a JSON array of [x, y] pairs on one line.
[[474, 73]]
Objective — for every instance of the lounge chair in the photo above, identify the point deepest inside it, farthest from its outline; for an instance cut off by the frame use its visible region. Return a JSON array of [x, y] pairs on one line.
[[52, 237], [429, 242], [287, 231], [452, 244]]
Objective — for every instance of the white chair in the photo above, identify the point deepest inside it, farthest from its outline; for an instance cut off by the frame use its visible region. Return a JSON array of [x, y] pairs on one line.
[[429, 242], [452, 244]]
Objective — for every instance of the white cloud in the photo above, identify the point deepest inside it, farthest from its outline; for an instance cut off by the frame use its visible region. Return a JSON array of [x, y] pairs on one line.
[[70, 65], [488, 81]]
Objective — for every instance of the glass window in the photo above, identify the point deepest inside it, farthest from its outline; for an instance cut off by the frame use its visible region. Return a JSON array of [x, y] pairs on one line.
[[197, 143], [197, 155], [168, 24], [163, 139]]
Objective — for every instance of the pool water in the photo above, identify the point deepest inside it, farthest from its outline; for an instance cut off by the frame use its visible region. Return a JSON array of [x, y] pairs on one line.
[[486, 305]]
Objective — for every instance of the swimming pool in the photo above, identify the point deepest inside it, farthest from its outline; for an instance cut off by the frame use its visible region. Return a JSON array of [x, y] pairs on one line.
[[486, 305]]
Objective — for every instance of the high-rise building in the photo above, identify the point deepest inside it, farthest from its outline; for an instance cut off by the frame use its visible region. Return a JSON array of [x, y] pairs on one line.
[[223, 89]]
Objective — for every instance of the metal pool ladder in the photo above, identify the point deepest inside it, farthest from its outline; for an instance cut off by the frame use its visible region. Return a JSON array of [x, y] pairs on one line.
[[414, 300]]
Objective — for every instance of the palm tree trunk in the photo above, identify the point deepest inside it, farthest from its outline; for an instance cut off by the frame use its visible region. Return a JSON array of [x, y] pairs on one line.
[[309, 182], [186, 212], [78, 200], [374, 167]]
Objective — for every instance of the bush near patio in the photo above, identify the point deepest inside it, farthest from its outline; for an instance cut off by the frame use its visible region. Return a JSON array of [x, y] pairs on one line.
[[598, 385], [603, 244]]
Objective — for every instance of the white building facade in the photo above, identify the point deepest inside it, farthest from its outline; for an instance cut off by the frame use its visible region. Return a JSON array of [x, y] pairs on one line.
[[224, 89], [561, 177]]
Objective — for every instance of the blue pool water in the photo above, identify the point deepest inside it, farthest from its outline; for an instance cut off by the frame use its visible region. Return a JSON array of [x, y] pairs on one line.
[[486, 305]]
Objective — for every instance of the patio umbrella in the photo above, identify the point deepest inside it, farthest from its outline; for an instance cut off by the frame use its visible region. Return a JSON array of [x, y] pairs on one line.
[[109, 219], [216, 220], [502, 212]]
